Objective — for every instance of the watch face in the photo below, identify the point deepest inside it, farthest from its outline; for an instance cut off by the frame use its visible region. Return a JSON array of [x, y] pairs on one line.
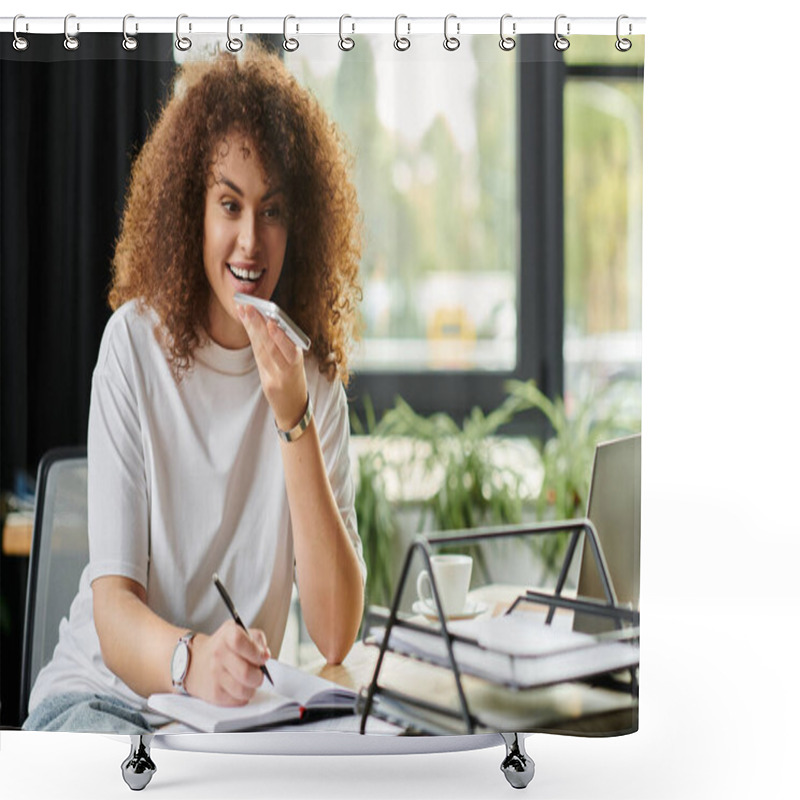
[[180, 660]]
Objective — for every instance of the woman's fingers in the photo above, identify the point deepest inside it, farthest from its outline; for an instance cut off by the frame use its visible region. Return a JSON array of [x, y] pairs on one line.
[[240, 693], [280, 366], [260, 640], [228, 692], [254, 324], [284, 346], [228, 668], [248, 647], [266, 339]]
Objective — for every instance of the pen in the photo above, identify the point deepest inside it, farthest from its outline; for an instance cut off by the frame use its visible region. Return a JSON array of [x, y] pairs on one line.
[[236, 618]]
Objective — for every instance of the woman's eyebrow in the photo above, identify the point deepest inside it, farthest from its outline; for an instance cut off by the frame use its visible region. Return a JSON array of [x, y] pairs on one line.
[[234, 188]]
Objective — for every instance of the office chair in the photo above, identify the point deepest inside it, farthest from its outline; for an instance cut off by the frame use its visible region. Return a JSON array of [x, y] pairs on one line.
[[59, 547]]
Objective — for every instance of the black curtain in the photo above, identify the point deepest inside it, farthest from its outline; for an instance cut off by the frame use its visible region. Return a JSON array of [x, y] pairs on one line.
[[70, 125]]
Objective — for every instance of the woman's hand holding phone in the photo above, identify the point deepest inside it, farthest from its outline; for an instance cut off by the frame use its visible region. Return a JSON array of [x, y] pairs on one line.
[[280, 367]]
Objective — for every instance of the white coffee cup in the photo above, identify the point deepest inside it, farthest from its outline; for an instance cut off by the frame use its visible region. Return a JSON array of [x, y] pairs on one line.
[[452, 574]]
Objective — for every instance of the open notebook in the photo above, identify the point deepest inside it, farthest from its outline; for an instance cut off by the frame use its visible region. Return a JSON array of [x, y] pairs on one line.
[[296, 697]]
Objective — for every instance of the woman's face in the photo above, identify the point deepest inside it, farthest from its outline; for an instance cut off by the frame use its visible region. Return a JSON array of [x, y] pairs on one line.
[[244, 236]]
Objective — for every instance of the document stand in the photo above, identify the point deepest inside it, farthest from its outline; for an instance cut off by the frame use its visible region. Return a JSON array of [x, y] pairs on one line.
[[426, 717]]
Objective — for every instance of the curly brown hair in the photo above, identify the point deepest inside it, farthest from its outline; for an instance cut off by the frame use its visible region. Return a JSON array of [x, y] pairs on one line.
[[159, 254]]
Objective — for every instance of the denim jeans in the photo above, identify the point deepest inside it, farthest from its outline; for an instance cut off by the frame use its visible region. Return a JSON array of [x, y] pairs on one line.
[[83, 712]]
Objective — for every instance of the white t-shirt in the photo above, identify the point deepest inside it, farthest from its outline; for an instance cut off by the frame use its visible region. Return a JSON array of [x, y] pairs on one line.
[[185, 480]]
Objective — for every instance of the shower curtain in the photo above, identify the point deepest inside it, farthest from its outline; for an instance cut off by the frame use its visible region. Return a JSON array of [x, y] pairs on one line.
[[498, 180]]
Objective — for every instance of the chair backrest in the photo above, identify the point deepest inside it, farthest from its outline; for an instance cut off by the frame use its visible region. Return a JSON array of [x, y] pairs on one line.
[[59, 553]]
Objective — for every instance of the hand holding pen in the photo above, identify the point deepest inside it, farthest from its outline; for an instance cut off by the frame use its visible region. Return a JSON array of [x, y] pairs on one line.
[[226, 598]]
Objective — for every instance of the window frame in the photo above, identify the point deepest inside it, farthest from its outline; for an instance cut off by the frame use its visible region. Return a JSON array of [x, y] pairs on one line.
[[540, 288]]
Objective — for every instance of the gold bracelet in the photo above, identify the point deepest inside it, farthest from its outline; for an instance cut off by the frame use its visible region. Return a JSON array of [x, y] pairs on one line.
[[293, 434]]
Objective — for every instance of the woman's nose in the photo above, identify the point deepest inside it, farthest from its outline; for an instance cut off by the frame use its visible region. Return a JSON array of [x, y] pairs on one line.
[[247, 233]]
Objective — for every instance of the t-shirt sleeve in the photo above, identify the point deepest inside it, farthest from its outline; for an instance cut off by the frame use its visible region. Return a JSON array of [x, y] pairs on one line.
[[117, 488], [333, 427]]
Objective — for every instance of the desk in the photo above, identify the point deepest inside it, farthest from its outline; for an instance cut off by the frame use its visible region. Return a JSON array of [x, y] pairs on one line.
[[574, 708]]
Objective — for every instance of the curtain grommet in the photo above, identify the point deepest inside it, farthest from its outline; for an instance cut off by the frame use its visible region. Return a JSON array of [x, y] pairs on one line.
[[507, 43], [346, 43], [234, 44], [128, 42], [401, 43], [560, 43], [71, 43], [451, 43], [290, 44], [20, 43], [183, 43], [623, 45]]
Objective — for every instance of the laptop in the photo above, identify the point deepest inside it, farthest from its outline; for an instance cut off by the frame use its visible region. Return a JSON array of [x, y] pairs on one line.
[[614, 507]]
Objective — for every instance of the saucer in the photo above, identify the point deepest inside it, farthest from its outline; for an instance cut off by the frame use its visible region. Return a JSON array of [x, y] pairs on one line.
[[470, 611]]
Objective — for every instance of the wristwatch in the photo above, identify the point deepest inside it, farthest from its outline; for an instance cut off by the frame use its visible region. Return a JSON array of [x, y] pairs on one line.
[[181, 656]]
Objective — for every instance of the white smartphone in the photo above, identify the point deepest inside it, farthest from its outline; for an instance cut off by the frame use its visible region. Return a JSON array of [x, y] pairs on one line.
[[271, 311]]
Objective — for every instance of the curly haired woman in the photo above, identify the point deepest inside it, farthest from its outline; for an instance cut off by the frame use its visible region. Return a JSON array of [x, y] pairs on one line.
[[215, 445]]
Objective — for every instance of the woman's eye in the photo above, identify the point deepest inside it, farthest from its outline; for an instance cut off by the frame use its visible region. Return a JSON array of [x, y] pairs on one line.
[[230, 206], [273, 212]]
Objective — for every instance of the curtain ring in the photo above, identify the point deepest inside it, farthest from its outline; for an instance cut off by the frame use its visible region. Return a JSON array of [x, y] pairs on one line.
[[345, 42], [70, 42], [233, 45], [623, 45], [182, 42], [506, 42], [20, 42], [560, 43], [128, 42], [401, 43], [289, 44], [451, 42]]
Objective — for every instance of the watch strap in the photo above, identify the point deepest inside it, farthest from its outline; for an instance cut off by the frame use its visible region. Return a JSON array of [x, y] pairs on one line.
[[293, 434]]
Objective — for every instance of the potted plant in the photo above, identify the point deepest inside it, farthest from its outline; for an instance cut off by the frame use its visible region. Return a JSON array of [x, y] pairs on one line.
[[466, 482], [377, 525], [567, 454]]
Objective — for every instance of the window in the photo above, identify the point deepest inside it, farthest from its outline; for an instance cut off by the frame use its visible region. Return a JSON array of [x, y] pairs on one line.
[[603, 216], [435, 166], [502, 205]]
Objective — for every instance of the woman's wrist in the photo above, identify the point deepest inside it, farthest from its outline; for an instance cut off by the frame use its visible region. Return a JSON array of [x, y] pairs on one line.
[[295, 431], [191, 682]]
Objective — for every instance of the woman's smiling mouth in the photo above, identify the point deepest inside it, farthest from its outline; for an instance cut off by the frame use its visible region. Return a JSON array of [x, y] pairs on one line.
[[242, 273]]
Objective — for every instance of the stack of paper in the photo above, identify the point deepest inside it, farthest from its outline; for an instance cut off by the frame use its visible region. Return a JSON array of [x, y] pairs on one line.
[[515, 652]]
